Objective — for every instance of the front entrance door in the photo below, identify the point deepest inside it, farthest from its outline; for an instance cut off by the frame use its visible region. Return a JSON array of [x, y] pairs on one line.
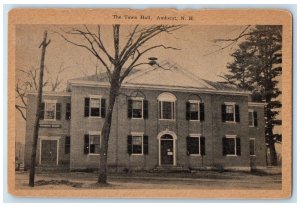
[[167, 152], [49, 152]]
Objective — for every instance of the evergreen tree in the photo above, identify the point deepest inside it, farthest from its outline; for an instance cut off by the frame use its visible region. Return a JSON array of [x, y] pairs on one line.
[[257, 68]]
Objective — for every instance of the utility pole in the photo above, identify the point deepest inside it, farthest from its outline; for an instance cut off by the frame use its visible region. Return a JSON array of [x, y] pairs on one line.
[[44, 45]]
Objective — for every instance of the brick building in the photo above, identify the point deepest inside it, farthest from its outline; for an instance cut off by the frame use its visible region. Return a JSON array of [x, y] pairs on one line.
[[161, 118]]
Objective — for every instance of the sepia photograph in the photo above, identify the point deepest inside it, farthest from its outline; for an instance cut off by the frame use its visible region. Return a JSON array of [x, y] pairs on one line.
[[150, 100]]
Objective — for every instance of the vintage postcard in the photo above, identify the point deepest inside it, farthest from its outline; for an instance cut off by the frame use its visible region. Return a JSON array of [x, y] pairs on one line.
[[156, 103]]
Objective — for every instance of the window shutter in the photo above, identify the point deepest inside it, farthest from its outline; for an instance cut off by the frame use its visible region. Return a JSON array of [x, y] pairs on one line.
[[68, 111], [188, 145], [223, 112], [238, 146], [58, 111], [42, 110], [201, 111], [188, 111], [67, 144], [145, 144], [129, 144], [159, 110], [129, 112], [86, 144], [103, 107], [202, 145], [255, 118], [145, 107], [224, 144], [237, 113], [86, 107]]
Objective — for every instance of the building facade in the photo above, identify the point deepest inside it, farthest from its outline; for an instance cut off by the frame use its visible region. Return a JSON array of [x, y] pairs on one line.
[[161, 118]]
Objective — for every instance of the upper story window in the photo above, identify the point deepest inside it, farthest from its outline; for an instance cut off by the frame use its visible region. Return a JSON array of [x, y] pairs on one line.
[[252, 115], [137, 108], [231, 145], [166, 106], [68, 111], [94, 106], [92, 143], [50, 110], [194, 110], [230, 112]]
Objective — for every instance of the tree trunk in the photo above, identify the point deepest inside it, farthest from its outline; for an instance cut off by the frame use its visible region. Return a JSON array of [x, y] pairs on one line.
[[44, 44], [114, 90]]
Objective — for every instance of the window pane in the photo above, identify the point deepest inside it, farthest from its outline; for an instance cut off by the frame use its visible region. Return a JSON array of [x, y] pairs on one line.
[[137, 109], [229, 113], [231, 146], [95, 103], [95, 106], [167, 110], [194, 111], [252, 147], [137, 145], [94, 144], [50, 110], [194, 148], [250, 115]]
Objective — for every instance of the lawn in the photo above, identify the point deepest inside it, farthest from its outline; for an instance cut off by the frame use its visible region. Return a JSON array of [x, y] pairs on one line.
[[144, 180]]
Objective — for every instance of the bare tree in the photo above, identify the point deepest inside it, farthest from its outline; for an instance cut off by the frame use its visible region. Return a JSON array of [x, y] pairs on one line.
[[118, 64], [29, 82], [44, 45]]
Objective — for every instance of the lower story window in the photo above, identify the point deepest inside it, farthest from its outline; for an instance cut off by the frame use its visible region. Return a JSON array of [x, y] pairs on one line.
[[92, 144], [137, 145], [196, 145], [231, 145], [252, 147]]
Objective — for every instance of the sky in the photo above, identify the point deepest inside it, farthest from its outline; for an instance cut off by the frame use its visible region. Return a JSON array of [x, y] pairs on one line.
[[195, 43]]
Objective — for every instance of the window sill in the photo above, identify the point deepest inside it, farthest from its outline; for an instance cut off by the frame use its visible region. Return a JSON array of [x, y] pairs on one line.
[[195, 120], [137, 154], [195, 155], [92, 154], [94, 117], [230, 122], [167, 119], [231, 155], [49, 120], [137, 118], [252, 155]]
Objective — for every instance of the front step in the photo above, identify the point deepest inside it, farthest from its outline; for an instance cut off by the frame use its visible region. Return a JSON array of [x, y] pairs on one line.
[[170, 169]]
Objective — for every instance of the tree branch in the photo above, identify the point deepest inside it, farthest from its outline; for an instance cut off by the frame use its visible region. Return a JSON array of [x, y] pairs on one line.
[[19, 108]]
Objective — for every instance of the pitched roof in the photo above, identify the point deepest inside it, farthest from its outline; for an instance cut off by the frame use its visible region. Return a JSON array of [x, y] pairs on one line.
[[166, 74]]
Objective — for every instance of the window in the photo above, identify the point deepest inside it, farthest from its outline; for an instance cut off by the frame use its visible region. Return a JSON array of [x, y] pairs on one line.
[[230, 112], [166, 106], [252, 115], [94, 106], [137, 144], [68, 111], [67, 144], [92, 143], [195, 145], [231, 145], [252, 146], [137, 108], [194, 111], [50, 110]]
